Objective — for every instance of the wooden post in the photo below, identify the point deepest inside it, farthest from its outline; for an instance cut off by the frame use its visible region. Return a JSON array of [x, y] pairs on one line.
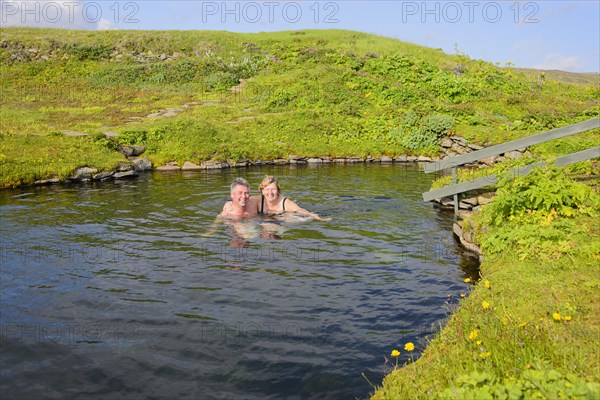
[[455, 195]]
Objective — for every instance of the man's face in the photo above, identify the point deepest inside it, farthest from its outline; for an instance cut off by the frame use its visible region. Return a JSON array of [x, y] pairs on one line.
[[240, 195]]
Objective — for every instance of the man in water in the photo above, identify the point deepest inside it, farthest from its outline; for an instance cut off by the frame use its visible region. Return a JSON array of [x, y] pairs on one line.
[[241, 204]]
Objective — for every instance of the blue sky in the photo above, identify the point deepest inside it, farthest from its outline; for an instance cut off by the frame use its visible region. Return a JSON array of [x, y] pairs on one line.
[[561, 35]]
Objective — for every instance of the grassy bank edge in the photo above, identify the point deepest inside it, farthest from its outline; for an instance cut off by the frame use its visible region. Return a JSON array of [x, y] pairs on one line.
[[528, 328]]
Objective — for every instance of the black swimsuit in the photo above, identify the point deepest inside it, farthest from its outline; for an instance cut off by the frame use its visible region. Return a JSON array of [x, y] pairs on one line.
[[262, 204]]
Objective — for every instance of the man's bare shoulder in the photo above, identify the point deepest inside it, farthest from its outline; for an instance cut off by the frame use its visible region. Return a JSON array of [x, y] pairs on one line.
[[226, 208]]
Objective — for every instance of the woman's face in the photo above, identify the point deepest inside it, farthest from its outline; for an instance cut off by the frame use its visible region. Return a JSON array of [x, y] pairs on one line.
[[271, 192]]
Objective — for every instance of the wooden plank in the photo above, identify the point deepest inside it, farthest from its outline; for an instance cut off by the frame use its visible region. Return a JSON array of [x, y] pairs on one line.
[[513, 145], [493, 179]]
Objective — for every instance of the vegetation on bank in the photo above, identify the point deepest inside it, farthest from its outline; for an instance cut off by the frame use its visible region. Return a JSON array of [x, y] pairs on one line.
[[529, 328], [265, 95]]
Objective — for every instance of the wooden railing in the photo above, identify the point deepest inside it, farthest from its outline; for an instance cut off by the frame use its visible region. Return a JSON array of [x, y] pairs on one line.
[[454, 162]]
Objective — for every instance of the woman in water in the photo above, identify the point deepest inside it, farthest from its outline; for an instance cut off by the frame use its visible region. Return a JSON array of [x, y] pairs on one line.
[[271, 201]]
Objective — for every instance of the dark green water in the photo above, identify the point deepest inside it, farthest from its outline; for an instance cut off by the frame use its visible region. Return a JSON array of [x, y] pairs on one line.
[[110, 290]]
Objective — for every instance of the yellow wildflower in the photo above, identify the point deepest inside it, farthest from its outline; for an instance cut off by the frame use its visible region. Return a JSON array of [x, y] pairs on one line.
[[556, 316], [409, 346], [395, 353], [479, 342], [485, 305], [487, 284], [485, 355], [567, 317], [462, 295], [467, 280], [522, 324], [473, 335]]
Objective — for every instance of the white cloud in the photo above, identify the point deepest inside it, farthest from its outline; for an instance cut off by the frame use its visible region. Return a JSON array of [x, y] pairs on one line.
[[560, 62], [105, 25], [67, 14]]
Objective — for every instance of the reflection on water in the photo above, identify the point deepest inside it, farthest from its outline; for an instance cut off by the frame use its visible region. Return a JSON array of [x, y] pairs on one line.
[[113, 290]]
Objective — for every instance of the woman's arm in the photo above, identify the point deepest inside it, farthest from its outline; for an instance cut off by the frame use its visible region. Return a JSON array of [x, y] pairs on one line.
[[290, 206]]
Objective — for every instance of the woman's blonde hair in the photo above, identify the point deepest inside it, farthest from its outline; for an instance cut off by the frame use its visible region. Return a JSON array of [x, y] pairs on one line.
[[269, 179]]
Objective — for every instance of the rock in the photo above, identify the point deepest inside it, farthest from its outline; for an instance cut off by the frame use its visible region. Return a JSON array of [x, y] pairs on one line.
[[462, 237], [355, 159], [123, 167], [125, 174], [131, 151], [489, 160], [242, 162], [485, 198], [314, 160], [459, 149], [102, 176], [84, 173], [411, 158], [462, 214], [280, 161], [153, 115], [457, 229], [110, 134], [401, 159], [475, 146], [190, 166], [513, 154], [447, 202], [386, 159], [47, 181], [339, 160], [446, 142], [142, 164], [214, 164], [449, 154], [138, 150], [472, 201], [168, 114], [464, 206], [74, 133], [296, 157], [460, 140], [167, 168], [424, 159]]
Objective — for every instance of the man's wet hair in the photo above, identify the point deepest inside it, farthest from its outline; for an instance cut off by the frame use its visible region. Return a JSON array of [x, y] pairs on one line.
[[238, 182]]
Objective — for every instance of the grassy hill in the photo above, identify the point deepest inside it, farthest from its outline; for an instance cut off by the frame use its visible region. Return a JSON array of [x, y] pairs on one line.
[[264, 95]]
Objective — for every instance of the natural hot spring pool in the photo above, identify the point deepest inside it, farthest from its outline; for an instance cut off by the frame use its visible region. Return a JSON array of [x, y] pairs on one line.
[[110, 290]]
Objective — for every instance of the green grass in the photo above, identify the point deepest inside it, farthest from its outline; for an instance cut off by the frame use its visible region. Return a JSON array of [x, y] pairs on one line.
[[530, 327], [40, 157], [519, 343], [309, 92]]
